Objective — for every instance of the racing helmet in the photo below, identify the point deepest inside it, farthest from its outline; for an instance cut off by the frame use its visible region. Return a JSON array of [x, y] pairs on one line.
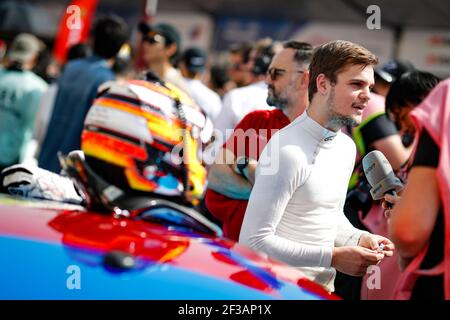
[[145, 137]]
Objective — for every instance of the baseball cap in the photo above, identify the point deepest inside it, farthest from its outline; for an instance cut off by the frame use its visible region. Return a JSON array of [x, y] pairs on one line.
[[23, 48], [194, 59], [393, 70], [168, 31]]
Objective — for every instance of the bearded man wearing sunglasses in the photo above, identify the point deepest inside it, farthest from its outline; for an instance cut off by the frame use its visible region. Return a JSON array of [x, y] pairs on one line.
[[231, 177]]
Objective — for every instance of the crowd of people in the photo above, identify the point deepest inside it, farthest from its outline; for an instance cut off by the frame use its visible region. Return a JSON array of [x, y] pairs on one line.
[[291, 123]]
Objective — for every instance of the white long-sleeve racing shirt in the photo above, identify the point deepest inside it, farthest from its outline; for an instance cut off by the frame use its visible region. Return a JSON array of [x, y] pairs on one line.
[[295, 211]]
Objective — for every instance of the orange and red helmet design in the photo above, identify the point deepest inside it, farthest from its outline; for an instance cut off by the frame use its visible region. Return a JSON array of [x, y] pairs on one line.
[[146, 137]]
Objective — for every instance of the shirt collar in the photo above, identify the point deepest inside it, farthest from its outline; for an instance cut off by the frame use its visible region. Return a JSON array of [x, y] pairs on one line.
[[319, 133]]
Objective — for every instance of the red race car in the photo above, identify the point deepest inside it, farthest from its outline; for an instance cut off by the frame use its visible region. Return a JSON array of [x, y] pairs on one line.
[[165, 251]]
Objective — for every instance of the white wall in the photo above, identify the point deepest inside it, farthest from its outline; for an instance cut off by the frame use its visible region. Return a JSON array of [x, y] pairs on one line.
[[428, 50], [380, 42]]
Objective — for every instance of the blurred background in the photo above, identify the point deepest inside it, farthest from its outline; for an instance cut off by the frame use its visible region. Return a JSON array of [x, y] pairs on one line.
[[416, 30]]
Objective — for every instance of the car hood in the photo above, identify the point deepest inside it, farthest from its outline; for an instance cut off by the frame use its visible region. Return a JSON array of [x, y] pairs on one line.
[[58, 251]]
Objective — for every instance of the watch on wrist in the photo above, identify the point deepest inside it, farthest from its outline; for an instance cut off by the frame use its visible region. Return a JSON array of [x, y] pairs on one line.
[[241, 164]]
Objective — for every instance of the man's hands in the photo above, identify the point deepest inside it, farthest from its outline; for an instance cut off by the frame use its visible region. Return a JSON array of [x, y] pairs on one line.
[[355, 260], [249, 170], [223, 179], [373, 242]]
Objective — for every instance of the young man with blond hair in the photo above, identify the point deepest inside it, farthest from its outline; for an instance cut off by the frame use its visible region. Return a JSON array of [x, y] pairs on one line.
[[295, 211]]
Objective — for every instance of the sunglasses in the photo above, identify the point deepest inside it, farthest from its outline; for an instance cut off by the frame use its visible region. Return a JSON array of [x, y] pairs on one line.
[[275, 73], [153, 38]]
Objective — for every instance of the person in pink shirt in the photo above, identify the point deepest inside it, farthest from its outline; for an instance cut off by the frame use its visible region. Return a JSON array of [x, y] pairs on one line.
[[419, 223], [406, 93]]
